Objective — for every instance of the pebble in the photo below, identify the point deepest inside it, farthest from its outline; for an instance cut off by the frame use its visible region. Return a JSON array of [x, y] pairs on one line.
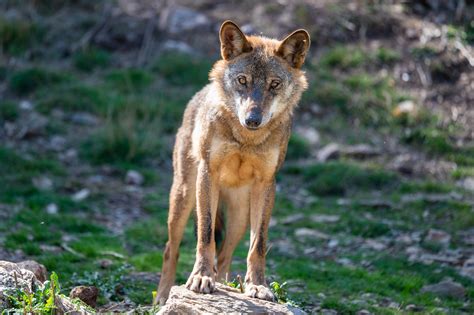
[[52, 208], [445, 288], [81, 195], [42, 183], [310, 233], [134, 178]]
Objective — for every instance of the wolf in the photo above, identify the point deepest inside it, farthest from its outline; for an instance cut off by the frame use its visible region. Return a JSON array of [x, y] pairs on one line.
[[232, 141]]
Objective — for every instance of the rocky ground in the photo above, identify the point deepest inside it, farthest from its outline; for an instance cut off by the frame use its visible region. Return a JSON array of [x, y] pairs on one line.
[[375, 202]]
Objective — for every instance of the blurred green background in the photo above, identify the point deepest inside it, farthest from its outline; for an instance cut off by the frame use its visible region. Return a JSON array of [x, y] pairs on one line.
[[375, 201]]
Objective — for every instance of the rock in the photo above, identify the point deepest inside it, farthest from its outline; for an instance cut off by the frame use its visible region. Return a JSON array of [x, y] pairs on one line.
[[310, 233], [438, 237], [324, 218], [177, 46], [86, 294], [285, 247], [325, 311], [466, 183], [224, 300], [29, 125], [81, 195], [84, 119], [445, 288], [52, 208], [293, 218], [26, 105], [467, 269], [57, 143], [42, 183], [13, 277], [328, 152], [413, 308], [375, 245], [37, 269], [311, 135], [333, 243], [179, 19], [363, 312], [134, 178], [19, 277], [360, 151]]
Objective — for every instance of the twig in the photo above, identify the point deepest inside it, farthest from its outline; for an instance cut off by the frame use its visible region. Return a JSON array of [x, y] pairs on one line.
[[147, 41], [460, 9], [424, 78], [72, 251], [89, 35], [239, 278], [459, 45]]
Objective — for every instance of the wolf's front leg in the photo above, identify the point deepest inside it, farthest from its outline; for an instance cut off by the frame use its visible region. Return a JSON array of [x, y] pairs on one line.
[[261, 204], [202, 278]]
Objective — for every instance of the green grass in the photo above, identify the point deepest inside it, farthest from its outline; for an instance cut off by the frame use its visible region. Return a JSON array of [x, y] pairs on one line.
[[90, 59], [298, 148], [16, 35], [8, 111], [180, 69], [339, 178], [28, 80], [129, 80]]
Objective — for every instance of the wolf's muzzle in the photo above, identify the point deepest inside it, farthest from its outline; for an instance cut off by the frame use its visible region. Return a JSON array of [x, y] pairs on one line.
[[254, 118]]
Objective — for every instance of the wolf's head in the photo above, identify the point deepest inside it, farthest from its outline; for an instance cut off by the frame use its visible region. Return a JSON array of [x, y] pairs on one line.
[[260, 78]]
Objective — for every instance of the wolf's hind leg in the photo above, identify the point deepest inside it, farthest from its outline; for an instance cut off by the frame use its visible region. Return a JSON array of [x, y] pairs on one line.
[[182, 201], [238, 207]]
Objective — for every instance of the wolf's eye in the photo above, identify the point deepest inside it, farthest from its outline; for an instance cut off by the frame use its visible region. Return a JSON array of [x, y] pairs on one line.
[[242, 80], [274, 84]]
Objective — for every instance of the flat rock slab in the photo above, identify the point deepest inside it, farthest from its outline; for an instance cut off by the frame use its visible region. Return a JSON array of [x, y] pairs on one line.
[[223, 301]]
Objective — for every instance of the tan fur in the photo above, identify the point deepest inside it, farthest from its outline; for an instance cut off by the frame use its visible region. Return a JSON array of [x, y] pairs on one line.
[[219, 161]]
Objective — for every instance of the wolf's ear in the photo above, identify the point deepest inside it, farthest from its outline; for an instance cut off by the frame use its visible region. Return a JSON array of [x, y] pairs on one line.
[[294, 48], [233, 41]]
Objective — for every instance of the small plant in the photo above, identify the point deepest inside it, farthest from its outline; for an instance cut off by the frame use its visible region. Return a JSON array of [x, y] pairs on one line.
[[41, 301], [281, 293], [28, 80]]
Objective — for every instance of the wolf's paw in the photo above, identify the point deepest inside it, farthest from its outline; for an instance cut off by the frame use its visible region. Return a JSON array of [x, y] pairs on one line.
[[259, 292], [201, 283]]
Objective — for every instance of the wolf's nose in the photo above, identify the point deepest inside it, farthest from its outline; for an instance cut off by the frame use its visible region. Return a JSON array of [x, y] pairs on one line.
[[253, 120]]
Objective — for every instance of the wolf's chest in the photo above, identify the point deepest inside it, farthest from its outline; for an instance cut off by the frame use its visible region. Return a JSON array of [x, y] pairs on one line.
[[234, 166]]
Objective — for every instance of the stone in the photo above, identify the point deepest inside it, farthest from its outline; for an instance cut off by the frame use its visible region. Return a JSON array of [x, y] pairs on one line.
[[375, 245], [86, 294], [363, 312], [177, 46], [466, 183], [42, 183], [325, 218], [310, 233], [467, 269], [293, 218], [438, 237], [224, 300], [178, 19], [81, 195], [13, 277], [37, 269], [311, 135], [328, 152], [134, 178], [84, 119], [445, 288], [360, 151], [52, 208]]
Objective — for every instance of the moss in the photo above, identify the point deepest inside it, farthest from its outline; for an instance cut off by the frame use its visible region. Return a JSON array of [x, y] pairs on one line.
[[343, 57]]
